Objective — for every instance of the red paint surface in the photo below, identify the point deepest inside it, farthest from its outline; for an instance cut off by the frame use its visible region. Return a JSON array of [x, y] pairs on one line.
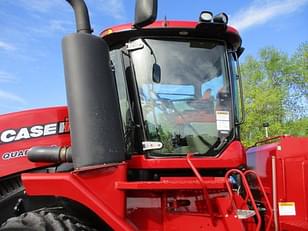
[[232, 157], [291, 158], [133, 205], [27, 119], [93, 188], [160, 24], [173, 204]]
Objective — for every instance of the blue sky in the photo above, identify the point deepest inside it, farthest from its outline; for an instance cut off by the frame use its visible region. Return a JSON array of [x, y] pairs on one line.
[[31, 70]]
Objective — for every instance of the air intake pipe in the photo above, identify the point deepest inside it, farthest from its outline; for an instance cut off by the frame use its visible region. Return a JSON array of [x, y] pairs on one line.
[[94, 111], [51, 154]]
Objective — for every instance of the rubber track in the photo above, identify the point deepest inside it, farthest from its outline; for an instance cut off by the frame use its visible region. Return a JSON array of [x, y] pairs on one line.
[[44, 220], [9, 187]]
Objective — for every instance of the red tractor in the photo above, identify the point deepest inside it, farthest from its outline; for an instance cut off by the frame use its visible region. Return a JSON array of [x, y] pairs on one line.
[[150, 140]]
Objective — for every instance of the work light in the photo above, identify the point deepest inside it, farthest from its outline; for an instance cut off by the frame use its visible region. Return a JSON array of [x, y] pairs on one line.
[[206, 16], [221, 18]]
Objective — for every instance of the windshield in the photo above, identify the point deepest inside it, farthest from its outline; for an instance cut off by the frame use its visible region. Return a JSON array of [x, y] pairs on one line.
[[187, 107]]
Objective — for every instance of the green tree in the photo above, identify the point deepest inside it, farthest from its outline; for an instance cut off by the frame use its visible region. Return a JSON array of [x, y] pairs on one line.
[[297, 81], [275, 91]]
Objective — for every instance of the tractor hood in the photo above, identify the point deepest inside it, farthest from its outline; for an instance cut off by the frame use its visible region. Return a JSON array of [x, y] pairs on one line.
[[22, 130]]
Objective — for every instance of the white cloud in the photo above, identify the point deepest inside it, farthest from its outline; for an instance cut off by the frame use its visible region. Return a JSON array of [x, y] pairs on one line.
[[6, 46], [52, 28], [113, 8], [263, 10], [8, 97], [42, 6], [6, 77], [57, 25], [4, 96], [60, 25]]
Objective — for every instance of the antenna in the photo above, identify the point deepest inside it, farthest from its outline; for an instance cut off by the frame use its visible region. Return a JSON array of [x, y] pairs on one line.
[[266, 125]]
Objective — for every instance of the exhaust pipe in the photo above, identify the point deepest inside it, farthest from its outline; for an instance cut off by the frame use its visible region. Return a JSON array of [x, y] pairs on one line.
[[81, 16], [94, 112], [52, 154]]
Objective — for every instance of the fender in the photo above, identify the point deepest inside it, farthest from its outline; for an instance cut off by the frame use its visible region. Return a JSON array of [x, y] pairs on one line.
[[94, 188], [22, 130]]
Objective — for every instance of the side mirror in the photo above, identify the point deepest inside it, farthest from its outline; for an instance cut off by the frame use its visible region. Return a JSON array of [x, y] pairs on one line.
[[156, 73], [145, 12]]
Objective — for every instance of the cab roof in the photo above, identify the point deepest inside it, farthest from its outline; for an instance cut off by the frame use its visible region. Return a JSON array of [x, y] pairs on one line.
[[119, 35]]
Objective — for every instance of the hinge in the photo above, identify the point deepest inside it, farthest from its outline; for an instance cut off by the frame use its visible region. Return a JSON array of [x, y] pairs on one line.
[[136, 45]]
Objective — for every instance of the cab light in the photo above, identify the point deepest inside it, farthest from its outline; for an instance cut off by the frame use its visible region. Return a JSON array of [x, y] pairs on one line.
[[221, 18], [107, 32], [206, 16]]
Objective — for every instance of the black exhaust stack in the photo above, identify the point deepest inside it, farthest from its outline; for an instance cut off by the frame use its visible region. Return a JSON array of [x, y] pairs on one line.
[[81, 16], [94, 112]]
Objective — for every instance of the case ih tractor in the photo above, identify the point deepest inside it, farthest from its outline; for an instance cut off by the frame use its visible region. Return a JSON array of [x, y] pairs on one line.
[[150, 140]]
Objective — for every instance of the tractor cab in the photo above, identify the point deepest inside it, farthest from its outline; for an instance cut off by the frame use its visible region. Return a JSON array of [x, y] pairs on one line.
[[178, 86], [154, 111]]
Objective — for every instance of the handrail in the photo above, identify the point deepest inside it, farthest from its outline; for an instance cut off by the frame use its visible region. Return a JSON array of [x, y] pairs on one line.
[[266, 140], [246, 173], [204, 187], [247, 190]]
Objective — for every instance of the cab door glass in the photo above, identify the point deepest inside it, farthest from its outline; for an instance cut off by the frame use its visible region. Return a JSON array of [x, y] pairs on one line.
[[126, 114], [236, 87]]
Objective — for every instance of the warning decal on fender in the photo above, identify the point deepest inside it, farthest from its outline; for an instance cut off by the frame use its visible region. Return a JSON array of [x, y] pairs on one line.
[[287, 209]]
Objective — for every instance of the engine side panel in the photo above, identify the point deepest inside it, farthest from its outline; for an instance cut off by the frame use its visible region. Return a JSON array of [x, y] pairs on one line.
[[283, 168], [22, 130]]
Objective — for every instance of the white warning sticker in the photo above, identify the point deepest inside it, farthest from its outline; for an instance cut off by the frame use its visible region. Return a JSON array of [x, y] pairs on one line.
[[222, 115], [223, 120], [287, 209], [223, 125]]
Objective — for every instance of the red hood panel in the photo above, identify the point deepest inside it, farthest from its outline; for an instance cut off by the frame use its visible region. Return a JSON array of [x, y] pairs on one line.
[[23, 130]]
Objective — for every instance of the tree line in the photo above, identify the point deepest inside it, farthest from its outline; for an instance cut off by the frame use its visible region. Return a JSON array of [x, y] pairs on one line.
[[275, 92]]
